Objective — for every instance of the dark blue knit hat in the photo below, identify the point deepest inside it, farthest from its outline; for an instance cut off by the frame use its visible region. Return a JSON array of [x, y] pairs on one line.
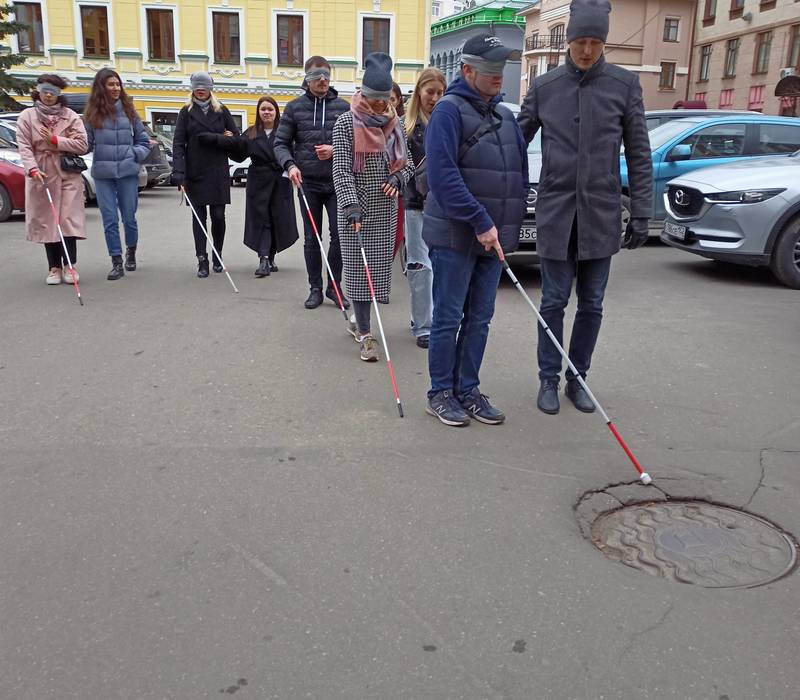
[[377, 81], [588, 18]]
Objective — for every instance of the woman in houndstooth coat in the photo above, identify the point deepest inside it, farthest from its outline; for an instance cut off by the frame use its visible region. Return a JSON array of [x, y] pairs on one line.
[[371, 166]]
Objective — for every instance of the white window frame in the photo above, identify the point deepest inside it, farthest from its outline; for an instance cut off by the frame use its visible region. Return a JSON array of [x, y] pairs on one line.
[[79, 28], [14, 41], [307, 53], [678, 35], [360, 35], [144, 34], [222, 9]]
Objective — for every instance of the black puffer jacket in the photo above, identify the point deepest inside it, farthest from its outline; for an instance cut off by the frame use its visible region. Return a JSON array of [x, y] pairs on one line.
[[416, 146], [307, 121]]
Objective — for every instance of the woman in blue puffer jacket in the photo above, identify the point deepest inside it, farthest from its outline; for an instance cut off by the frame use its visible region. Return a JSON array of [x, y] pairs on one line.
[[120, 144]]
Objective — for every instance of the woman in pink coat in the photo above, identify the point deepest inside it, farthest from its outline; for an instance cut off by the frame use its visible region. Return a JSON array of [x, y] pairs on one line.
[[45, 132]]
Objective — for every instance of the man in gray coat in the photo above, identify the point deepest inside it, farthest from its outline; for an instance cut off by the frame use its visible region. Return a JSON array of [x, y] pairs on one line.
[[586, 109]]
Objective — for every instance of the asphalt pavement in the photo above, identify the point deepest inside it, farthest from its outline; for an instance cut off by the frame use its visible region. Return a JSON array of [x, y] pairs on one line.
[[205, 494]]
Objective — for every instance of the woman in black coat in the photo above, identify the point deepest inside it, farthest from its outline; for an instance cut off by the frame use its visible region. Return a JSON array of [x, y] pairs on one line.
[[269, 222], [201, 167]]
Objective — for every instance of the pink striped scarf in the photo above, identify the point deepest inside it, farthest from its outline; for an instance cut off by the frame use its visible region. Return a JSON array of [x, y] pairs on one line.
[[372, 134]]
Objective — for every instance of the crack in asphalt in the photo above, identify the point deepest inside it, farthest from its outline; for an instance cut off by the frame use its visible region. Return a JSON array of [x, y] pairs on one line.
[[647, 630], [604, 490], [761, 454]]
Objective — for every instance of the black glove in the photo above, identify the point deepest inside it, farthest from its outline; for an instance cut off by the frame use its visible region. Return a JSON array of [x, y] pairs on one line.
[[353, 214], [636, 233], [176, 179], [395, 181]]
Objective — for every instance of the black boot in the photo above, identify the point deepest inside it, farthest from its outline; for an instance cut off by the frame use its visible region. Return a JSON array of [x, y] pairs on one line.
[[202, 266], [263, 268], [217, 266], [576, 393], [116, 268], [547, 401], [130, 258], [272, 266], [314, 298], [330, 292]]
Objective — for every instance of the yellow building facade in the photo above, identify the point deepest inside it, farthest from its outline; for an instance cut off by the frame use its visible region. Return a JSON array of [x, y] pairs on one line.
[[250, 47]]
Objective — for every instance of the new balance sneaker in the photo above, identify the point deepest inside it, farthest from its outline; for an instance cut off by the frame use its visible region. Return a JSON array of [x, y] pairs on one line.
[[444, 406], [479, 408], [54, 277], [369, 348], [68, 275]]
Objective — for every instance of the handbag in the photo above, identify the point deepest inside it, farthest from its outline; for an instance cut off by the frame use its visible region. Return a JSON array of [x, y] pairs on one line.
[[73, 164]]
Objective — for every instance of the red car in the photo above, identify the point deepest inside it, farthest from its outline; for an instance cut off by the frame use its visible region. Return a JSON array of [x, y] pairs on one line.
[[12, 187]]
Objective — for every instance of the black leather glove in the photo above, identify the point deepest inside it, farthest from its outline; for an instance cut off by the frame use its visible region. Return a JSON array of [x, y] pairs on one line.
[[395, 181], [353, 214], [176, 179], [636, 233]]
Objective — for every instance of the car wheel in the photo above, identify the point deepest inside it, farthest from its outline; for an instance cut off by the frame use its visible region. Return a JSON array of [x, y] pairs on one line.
[[785, 262], [626, 212], [6, 207]]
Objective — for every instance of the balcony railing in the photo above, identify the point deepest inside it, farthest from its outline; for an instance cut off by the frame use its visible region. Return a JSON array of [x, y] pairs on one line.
[[554, 42]]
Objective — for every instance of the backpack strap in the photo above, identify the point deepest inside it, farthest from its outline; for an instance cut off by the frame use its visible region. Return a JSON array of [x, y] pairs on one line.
[[492, 121]]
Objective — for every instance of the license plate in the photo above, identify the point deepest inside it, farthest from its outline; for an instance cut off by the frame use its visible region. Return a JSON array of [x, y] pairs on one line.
[[527, 233], [675, 230]]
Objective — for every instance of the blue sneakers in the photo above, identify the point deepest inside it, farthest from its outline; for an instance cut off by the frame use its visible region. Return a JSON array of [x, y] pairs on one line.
[[479, 408], [444, 406]]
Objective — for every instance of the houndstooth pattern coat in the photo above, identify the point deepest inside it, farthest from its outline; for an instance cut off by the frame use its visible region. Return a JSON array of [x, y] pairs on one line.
[[378, 214]]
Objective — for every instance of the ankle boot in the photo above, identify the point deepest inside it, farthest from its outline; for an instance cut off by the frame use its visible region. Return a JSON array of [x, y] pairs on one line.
[[116, 268], [130, 258], [202, 266], [263, 267]]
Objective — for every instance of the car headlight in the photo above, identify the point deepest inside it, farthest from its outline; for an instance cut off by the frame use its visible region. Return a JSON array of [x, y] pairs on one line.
[[744, 196], [12, 158]]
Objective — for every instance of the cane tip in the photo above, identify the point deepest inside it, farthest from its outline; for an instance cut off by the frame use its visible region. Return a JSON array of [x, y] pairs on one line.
[[646, 478], [400, 409]]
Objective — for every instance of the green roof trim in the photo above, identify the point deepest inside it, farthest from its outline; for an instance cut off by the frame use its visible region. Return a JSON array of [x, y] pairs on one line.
[[257, 59], [129, 54], [193, 56], [170, 81], [342, 62], [69, 52], [409, 64], [489, 13]]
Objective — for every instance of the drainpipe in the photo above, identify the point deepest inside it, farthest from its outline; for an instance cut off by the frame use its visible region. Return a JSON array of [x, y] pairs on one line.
[[691, 49]]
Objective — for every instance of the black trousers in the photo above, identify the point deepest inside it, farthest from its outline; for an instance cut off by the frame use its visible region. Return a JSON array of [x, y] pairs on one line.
[[319, 195], [217, 228], [55, 252]]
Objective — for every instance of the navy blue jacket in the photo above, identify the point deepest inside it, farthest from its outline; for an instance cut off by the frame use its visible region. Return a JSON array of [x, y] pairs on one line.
[[119, 147], [484, 188]]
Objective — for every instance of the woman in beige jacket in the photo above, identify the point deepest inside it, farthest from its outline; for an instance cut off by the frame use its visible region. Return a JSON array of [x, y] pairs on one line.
[[45, 132]]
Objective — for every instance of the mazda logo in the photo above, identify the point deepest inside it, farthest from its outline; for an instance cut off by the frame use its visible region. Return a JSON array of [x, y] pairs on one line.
[[681, 198]]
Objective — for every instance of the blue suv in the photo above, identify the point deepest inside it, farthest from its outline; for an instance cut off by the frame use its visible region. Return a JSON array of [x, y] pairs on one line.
[[684, 145]]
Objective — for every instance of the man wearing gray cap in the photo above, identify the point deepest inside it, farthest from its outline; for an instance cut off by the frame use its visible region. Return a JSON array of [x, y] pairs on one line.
[[477, 175], [586, 109]]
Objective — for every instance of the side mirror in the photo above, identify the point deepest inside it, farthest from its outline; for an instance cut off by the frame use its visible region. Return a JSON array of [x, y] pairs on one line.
[[683, 151]]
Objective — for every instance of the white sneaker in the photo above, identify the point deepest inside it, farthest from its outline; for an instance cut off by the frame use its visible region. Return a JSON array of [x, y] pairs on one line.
[[68, 279], [55, 276]]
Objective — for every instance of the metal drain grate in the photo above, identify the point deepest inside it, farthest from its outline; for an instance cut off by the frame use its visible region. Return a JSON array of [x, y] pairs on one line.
[[694, 542]]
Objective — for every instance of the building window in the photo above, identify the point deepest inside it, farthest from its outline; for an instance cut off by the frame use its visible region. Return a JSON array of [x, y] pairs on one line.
[[726, 99], [31, 40], [227, 40], [94, 27], [667, 79], [557, 35], [755, 99], [290, 40], [435, 9], [794, 48], [763, 50], [709, 12], [671, 25], [731, 56], [705, 62], [160, 35], [766, 5], [532, 74], [737, 6], [700, 97], [375, 35]]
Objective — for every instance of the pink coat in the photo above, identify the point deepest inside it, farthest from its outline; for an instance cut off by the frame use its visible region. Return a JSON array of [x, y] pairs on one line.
[[66, 188]]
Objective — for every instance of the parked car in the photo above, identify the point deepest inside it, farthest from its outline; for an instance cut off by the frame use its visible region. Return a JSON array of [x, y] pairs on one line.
[[89, 189], [657, 117], [12, 181], [745, 212], [684, 145], [157, 164], [238, 171]]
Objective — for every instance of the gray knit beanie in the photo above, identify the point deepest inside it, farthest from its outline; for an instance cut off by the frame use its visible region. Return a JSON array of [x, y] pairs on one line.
[[588, 18], [201, 80], [377, 81]]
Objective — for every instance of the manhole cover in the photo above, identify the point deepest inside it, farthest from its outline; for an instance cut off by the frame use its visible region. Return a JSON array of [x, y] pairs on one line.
[[692, 542]]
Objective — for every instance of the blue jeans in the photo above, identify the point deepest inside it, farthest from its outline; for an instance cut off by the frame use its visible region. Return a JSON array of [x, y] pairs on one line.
[[464, 291], [122, 195], [419, 273], [591, 278]]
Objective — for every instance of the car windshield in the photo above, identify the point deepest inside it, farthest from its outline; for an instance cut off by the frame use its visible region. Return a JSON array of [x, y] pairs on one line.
[[666, 132]]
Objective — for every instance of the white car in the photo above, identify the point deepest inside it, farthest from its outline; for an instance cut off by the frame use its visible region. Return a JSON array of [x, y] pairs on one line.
[[238, 171]]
